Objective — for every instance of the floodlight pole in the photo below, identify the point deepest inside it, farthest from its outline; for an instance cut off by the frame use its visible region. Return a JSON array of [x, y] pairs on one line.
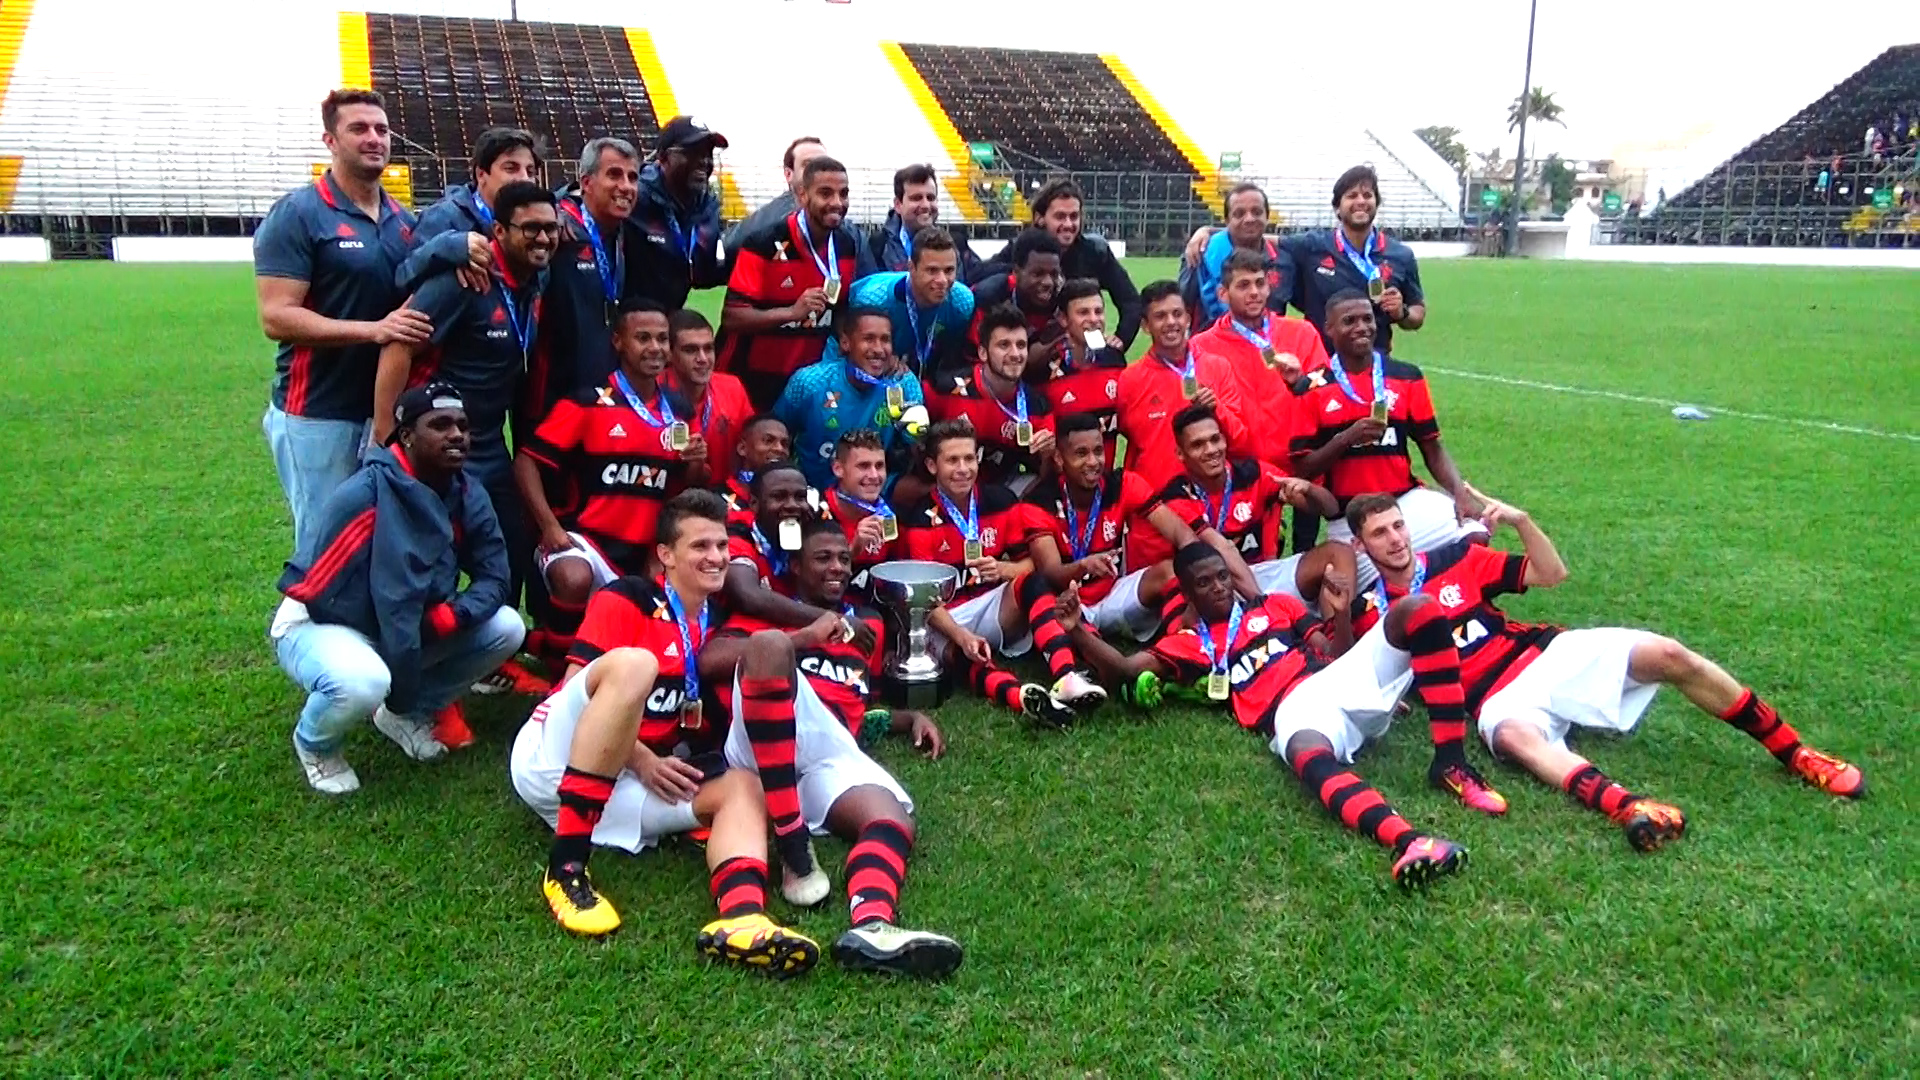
[[1520, 154]]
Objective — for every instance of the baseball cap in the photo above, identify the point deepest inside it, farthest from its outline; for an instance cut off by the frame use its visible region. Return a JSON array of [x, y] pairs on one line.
[[421, 400], [685, 131]]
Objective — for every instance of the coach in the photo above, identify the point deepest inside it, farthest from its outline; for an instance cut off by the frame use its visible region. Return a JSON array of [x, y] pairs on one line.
[[325, 261], [677, 215]]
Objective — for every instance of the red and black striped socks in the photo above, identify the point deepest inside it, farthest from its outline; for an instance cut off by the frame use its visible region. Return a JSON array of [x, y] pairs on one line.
[[583, 796], [1591, 788], [997, 686], [1038, 601], [1757, 718], [1351, 799], [876, 868], [766, 707], [1436, 678], [739, 887]]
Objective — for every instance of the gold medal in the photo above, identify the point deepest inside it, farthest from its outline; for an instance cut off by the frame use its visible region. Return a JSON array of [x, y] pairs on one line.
[[679, 436], [690, 718], [1023, 433], [1268, 356], [974, 551], [896, 398], [1217, 688], [889, 527], [789, 535], [1095, 340], [832, 289], [1190, 385], [1376, 287], [1380, 408]]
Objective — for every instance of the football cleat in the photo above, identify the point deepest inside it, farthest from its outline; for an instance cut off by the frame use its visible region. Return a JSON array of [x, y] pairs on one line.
[[414, 737], [1079, 693], [1650, 824], [802, 881], [577, 905], [1467, 785], [328, 773], [1145, 691], [1828, 773], [513, 677], [450, 728], [1427, 858], [877, 945], [758, 943], [1041, 707]]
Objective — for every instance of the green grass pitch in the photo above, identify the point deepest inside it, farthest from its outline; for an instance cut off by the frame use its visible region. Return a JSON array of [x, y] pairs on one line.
[[1146, 895]]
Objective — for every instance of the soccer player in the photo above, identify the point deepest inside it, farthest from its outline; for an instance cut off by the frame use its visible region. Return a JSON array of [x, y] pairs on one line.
[[1267, 352], [1088, 508], [1268, 659], [1011, 420], [324, 261], [1357, 416], [594, 270], [374, 620], [1246, 231], [623, 754], [1169, 378], [916, 206], [793, 164], [501, 156], [860, 383], [842, 790], [1032, 286], [790, 281], [1531, 685], [606, 459], [1056, 210], [676, 212], [764, 441], [856, 501], [717, 405], [931, 312], [1082, 372], [1001, 605]]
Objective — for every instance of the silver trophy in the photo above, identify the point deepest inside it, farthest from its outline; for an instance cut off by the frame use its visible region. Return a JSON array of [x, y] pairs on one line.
[[905, 592]]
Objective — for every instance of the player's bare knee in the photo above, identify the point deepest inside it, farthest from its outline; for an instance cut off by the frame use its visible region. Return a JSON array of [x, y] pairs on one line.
[[1303, 742], [1511, 737], [1662, 659], [570, 582], [626, 673]]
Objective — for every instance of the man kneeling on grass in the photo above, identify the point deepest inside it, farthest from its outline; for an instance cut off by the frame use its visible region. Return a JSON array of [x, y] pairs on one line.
[[374, 621]]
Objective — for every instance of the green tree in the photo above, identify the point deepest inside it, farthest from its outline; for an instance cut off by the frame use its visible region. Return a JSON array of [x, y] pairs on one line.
[[1445, 141], [1540, 108], [1557, 177]]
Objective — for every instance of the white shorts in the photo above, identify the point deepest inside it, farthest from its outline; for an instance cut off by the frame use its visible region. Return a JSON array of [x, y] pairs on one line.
[[1279, 577], [1350, 700], [1579, 679], [981, 615], [1431, 523], [635, 819], [1121, 612], [829, 761], [583, 549]]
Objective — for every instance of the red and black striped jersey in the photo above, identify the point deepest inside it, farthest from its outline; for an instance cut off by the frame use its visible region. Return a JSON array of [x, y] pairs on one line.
[[1124, 497], [1324, 409], [749, 547], [865, 558], [1465, 577], [737, 492], [1004, 524], [1091, 385], [840, 674], [1268, 657], [607, 472], [632, 612], [1246, 510], [960, 395], [772, 268]]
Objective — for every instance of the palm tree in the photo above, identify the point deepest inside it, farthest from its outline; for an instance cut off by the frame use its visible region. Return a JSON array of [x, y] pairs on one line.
[[1540, 106]]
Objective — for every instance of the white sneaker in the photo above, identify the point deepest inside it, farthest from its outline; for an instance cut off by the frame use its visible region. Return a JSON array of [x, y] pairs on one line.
[[328, 774], [414, 737], [1077, 692], [805, 891]]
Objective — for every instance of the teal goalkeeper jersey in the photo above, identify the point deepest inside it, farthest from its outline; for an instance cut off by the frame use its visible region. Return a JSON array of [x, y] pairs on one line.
[[927, 340], [823, 402]]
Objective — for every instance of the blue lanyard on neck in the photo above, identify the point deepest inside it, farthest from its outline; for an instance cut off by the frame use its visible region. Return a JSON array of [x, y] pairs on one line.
[[1379, 379], [1217, 663], [776, 559], [1413, 587], [1080, 547], [524, 330], [1361, 259], [666, 417], [689, 647], [969, 526], [613, 269], [1217, 520]]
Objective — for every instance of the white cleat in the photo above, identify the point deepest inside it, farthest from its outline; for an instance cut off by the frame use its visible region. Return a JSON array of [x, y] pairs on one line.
[[414, 737], [808, 890], [328, 774], [1079, 693], [882, 946]]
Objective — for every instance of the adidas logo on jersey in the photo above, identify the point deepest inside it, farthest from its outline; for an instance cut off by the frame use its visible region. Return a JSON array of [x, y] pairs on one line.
[[1332, 405], [787, 282], [1066, 398], [618, 432], [673, 649]]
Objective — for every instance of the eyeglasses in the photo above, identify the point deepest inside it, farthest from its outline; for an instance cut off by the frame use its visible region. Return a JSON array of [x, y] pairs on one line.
[[533, 229]]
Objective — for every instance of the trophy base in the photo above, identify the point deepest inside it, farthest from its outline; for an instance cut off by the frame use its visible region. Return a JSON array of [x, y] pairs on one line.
[[920, 694]]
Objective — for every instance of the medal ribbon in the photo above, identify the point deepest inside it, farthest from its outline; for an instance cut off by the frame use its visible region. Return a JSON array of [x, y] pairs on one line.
[[1081, 548], [666, 417], [1218, 664], [1184, 372], [1413, 587], [688, 645], [613, 270], [1379, 379], [880, 509], [776, 559], [1262, 341], [969, 526], [1018, 414], [1362, 259], [830, 266], [523, 332], [1218, 521]]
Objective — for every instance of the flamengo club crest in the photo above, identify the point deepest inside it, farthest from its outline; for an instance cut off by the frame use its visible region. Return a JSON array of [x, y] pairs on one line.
[[988, 537], [1243, 512], [1450, 596], [1257, 624]]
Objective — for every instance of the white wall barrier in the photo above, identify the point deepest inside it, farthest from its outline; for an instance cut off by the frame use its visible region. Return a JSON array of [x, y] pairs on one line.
[[25, 249], [182, 249]]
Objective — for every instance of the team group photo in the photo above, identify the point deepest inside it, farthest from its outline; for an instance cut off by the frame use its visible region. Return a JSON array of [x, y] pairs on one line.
[[955, 586]]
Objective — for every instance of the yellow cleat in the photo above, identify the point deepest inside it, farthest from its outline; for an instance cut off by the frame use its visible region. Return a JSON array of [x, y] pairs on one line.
[[759, 944], [577, 905]]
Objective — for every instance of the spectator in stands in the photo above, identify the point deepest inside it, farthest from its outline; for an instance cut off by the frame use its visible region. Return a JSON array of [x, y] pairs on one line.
[[324, 264], [591, 278], [374, 620], [1056, 209], [793, 164], [916, 206], [677, 214], [501, 156], [790, 280], [1871, 143], [1246, 231], [1029, 278], [1167, 379], [931, 312]]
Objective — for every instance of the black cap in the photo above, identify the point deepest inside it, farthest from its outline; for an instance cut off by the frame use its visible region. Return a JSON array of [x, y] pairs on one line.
[[418, 401], [685, 131]]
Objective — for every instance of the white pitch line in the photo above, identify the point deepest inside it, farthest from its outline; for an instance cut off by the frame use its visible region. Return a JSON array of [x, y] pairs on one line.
[[1817, 425]]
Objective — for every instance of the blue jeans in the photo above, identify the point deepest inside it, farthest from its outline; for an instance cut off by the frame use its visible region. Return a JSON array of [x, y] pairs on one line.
[[346, 680], [312, 457]]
